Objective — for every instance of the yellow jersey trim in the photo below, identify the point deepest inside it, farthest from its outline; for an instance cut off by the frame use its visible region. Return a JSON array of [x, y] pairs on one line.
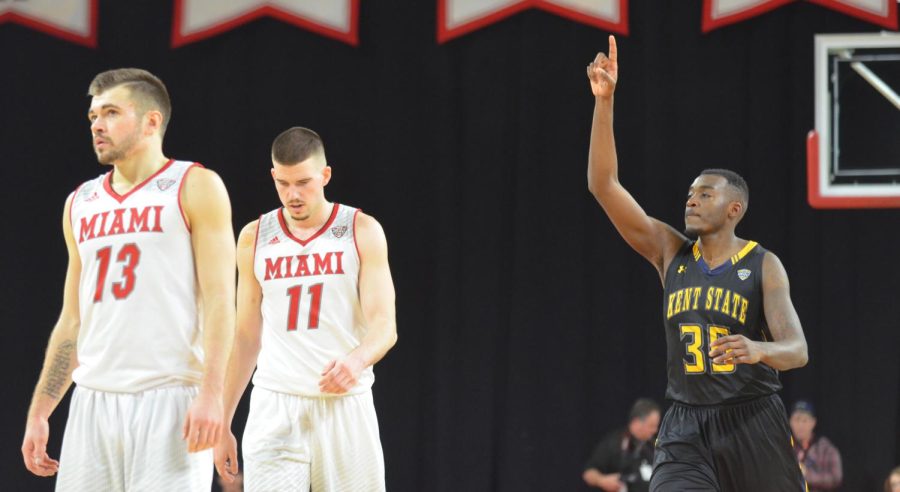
[[735, 258], [744, 252]]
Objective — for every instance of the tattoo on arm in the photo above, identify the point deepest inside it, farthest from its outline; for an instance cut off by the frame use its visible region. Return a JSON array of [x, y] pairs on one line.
[[58, 374]]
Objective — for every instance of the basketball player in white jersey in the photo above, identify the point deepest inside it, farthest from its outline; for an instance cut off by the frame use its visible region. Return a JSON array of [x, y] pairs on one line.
[[147, 317], [315, 311]]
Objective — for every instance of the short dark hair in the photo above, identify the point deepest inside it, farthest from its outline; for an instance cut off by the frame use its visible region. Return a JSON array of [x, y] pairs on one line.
[[295, 145], [735, 180], [642, 408], [146, 89]]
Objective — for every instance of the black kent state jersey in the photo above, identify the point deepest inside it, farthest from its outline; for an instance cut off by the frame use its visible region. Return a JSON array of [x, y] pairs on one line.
[[701, 305]]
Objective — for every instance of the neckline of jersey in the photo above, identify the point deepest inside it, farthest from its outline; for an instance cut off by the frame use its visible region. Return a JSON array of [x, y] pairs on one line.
[[107, 182], [733, 260], [287, 231]]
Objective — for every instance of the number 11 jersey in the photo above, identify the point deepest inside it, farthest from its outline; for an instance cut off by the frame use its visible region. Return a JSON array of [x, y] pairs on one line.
[[310, 302]]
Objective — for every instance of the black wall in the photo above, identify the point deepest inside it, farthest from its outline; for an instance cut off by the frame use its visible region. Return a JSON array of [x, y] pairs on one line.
[[527, 326]]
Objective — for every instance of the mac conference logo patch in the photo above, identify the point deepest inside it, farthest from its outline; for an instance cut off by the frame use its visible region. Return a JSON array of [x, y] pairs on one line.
[[743, 274], [164, 184], [339, 231]]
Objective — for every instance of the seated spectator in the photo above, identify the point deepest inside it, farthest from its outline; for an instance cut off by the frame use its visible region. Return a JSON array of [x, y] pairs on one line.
[[819, 458], [623, 460]]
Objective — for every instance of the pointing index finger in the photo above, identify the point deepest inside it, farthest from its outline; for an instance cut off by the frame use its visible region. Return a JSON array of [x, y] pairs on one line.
[[613, 50]]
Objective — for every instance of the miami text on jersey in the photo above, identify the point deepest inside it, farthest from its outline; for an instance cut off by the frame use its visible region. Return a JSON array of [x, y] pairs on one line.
[[113, 222], [299, 265]]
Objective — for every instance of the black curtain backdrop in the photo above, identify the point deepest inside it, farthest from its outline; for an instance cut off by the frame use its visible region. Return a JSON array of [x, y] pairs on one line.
[[527, 326]]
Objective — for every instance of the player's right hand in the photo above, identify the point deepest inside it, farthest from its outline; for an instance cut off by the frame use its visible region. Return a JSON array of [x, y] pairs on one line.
[[603, 72], [34, 448], [225, 456], [203, 425]]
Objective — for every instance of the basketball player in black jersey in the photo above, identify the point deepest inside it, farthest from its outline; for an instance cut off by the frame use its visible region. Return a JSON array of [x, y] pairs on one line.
[[730, 324]]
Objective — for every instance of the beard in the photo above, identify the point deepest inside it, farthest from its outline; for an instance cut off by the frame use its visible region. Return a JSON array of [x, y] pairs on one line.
[[118, 152]]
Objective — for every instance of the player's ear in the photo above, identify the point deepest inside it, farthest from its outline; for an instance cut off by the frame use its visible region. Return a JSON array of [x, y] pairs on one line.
[[326, 175], [735, 209], [152, 122]]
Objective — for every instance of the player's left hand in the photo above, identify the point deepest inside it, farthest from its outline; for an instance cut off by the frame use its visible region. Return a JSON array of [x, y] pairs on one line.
[[735, 349], [203, 425], [340, 375], [225, 457]]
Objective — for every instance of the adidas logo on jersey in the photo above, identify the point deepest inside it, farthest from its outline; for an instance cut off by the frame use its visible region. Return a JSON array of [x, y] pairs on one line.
[[275, 240], [93, 197], [681, 269]]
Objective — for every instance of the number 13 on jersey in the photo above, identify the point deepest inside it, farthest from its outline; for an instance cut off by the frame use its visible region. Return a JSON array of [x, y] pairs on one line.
[[696, 360]]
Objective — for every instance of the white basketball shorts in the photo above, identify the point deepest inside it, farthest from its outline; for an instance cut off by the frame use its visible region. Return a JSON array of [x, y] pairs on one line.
[[323, 444], [131, 442]]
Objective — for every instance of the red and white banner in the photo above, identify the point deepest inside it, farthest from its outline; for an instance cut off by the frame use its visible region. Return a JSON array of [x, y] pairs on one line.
[[72, 20], [881, 12], [718, 13], [199, 19], [458, 17]]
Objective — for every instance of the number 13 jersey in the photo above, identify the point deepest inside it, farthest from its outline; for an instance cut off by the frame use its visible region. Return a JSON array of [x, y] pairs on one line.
[[702, 304], [310, 302], [138, 291]]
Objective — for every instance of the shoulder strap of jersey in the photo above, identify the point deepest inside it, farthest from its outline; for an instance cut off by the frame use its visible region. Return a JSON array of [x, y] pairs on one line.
[[268, 231]]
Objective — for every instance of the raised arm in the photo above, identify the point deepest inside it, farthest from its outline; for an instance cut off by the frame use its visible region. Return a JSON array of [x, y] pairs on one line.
[[376, 296], [59, 362], [652, 239], [208, 211], [245, 351], [787, 349]]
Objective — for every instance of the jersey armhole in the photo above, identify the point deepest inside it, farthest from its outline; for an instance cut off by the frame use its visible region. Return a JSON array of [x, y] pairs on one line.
[[355, 243], [681, 250], [72, 206], [256, 240], [184, 218]]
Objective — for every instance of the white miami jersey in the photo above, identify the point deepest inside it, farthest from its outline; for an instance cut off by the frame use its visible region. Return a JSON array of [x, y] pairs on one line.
[[310, 302], [138, 290]]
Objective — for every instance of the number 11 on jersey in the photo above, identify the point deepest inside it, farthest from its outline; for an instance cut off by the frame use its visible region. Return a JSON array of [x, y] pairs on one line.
[[314, 303]]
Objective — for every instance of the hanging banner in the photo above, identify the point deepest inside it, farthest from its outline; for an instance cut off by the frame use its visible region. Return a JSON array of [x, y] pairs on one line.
[[458, 17], [881, 12], [718, 13], [199, 19], [72, 20]]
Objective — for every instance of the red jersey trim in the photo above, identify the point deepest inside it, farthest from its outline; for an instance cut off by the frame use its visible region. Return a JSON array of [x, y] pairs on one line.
[[356, 244], [121, 198], [72, 207], [187, 224], [284, 227], [256, 241]]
